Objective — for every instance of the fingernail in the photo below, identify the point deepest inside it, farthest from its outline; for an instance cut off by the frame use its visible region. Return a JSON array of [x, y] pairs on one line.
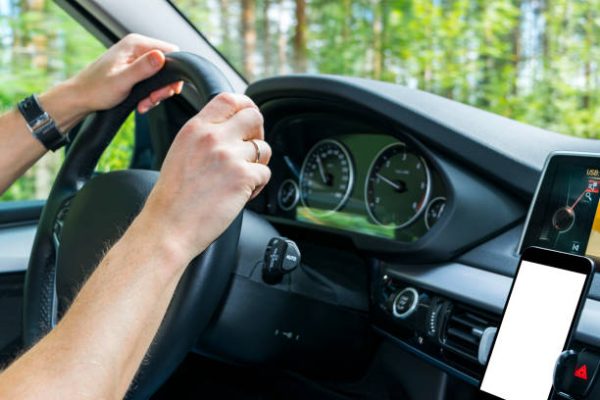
[[154, 60]]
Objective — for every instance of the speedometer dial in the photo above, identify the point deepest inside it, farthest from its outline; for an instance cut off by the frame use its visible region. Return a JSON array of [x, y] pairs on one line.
[[397, 187], [326, 177]]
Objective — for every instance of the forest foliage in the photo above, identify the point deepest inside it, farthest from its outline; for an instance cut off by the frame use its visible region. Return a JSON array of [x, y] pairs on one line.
[[41, 46], [536, 61]]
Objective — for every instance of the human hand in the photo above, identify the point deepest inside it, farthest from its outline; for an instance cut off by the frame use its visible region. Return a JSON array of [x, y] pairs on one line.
[[208, 175], [109, 80]]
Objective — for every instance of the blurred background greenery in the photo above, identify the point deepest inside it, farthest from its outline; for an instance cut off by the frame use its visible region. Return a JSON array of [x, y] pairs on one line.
[[536, 61], [41, 46]]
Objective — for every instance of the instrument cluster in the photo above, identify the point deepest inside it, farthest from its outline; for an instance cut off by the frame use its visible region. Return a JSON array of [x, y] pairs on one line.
[[365, 183]]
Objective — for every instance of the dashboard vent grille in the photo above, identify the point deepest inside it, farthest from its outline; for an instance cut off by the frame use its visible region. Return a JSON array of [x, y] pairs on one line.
[[463, 332]]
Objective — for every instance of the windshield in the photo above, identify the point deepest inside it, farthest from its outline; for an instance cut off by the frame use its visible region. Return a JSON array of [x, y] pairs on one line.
[[528, 60]]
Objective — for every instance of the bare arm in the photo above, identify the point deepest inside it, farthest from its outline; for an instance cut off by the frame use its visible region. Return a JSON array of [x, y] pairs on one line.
[[102, 85], [96, 349]]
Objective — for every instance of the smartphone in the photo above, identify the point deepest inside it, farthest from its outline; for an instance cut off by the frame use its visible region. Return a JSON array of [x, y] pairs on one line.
[[539, 319]]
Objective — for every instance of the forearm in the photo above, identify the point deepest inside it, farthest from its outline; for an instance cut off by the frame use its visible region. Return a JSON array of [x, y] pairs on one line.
[[19, 150], [96, 349]]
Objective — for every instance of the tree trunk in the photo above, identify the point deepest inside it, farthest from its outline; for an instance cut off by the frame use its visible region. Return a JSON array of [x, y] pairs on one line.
[[377, 49], [516, 58], [249, 36], [300, 64], [281, 44], [587, 68], [380, 25], [346, 36], [225, 32], [267, 58]]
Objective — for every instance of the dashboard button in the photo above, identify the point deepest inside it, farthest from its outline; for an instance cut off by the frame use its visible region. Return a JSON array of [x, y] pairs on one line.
[[575, 373], [405, 303]]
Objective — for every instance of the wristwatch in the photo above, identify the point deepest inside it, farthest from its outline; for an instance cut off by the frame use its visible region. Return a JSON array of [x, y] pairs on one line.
[[40, 124]]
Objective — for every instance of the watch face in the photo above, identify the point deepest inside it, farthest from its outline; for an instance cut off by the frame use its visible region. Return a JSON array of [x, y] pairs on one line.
[[41, 124]]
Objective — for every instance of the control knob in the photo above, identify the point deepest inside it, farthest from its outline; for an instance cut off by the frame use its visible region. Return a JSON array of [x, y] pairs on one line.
[[405, 303], [282, 256]]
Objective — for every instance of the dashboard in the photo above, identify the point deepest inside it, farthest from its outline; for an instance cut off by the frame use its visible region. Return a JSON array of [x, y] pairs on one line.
[[436, 193], [363, 182]]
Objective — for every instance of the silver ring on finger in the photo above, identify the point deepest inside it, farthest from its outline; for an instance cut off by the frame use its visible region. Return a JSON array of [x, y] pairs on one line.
[[257, 148]]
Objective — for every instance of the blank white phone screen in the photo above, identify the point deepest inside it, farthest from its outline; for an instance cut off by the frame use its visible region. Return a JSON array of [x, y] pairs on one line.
[[533, 332]]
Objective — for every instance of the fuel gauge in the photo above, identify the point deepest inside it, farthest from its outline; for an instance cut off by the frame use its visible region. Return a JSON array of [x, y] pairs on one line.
[[434, 211], [288, 195]]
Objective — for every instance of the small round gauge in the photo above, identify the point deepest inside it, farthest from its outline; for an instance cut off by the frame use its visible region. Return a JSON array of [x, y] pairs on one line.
[[434, 211], [397, 187], [326, 177], [563, 219], [288, 195]]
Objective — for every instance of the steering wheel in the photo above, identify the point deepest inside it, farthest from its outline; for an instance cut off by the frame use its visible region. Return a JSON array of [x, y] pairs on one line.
[[85, 213]]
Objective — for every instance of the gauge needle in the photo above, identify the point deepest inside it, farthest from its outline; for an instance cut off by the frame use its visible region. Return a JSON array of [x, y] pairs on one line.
[[578, 200], [287, 196], [321, 170], [441, 210], [388, 181]]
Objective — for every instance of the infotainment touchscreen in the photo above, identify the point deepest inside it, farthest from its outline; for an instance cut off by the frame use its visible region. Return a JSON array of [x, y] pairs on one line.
[[565, 214]]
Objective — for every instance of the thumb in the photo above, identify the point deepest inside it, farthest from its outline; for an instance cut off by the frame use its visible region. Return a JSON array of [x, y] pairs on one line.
[[144, 66]]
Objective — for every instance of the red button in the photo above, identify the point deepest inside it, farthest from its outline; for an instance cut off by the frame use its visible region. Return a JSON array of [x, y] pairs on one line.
[[581, 372]]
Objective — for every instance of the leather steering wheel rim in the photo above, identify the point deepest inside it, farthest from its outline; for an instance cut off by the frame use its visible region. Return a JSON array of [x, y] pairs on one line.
[[205, 281]]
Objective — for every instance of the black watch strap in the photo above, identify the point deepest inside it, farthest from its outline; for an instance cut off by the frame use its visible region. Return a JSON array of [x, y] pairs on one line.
[[41, 125]]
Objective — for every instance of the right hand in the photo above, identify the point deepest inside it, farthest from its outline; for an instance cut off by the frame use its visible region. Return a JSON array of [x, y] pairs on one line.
[[208, 175]]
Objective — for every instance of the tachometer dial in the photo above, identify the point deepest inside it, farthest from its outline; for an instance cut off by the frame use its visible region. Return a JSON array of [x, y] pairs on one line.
[[397, 187], [326, 177]]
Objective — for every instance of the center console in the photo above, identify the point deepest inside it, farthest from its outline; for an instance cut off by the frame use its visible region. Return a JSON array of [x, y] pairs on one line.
[[456, 336], [430, 314]]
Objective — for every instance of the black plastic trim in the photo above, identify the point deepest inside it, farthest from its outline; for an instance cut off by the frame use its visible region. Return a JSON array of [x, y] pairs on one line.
[[88, 21], [17, 212], [429, 359]]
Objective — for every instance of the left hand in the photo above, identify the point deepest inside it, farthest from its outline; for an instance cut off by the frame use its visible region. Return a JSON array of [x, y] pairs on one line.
[[109, 80]]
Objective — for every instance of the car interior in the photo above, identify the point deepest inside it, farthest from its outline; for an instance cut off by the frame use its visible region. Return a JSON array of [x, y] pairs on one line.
[[401, 216]]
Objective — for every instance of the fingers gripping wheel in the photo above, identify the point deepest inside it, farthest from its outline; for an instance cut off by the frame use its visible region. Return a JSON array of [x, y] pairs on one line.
[[100, 212]]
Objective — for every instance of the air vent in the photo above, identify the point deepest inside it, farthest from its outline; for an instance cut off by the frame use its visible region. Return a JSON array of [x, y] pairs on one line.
[[463, 334]]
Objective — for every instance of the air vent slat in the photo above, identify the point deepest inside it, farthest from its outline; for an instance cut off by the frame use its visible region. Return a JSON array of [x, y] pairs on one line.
[[468, 323], [462, 333], [464, 336]]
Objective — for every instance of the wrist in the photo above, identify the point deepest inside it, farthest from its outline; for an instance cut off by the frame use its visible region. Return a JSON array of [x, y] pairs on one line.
[[160, 241], [65, 104]]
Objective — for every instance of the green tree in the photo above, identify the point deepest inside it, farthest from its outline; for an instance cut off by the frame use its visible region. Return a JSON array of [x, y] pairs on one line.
[[46, 47]]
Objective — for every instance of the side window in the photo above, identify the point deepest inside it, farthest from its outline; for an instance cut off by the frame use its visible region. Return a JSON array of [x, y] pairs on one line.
[[41, 46]]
